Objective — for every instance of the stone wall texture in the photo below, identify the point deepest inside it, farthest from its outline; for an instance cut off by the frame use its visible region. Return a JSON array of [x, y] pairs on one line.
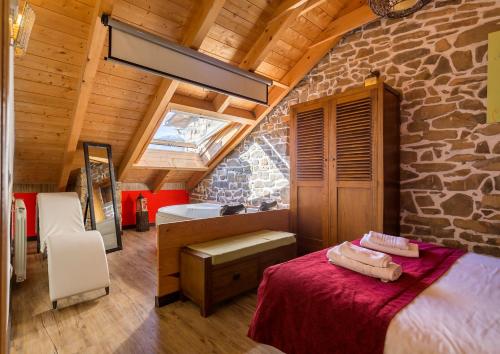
[[79, 186], [450, 159]]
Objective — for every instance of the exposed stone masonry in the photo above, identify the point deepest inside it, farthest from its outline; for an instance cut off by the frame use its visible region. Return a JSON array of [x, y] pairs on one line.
[[99, 172], [450, 159]]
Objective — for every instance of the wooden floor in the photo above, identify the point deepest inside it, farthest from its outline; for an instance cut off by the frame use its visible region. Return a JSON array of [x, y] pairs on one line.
[[126, 321]]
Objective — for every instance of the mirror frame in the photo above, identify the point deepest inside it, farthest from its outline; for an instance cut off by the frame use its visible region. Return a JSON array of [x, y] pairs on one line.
[[90, 196]]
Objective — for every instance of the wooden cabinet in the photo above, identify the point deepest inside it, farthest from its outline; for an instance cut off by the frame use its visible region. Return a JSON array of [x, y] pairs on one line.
[[207, 284], [345, 167]]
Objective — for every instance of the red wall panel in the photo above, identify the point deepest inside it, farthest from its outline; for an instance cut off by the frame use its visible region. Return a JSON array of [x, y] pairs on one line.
[[30, 202], [155, 201]]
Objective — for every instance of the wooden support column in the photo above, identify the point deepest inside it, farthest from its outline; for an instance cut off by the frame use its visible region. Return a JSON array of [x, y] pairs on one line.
[[159, 181], [344, 24], [97, 35]]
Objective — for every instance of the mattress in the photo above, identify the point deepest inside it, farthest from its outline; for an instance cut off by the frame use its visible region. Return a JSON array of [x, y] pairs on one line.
[[456, 313], [459, 313]]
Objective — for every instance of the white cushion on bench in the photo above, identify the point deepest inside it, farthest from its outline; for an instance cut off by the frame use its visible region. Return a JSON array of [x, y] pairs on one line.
[[228, 249]]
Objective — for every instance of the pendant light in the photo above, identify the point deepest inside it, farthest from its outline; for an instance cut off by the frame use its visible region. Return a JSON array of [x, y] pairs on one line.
[[396, 8]]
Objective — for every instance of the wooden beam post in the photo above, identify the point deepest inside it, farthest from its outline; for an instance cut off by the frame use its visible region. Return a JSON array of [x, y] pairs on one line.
[[197, 31], [149, 124], [160, 179], [97, 36], [289, 5], [198, 106], [344, 24]]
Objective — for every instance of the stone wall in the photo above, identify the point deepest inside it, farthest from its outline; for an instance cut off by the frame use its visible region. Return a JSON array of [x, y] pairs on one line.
[[258, 169], [450, 159], [79, 185]]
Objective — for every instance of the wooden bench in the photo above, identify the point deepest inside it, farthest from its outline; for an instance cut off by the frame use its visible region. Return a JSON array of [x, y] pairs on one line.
[[218, 270]]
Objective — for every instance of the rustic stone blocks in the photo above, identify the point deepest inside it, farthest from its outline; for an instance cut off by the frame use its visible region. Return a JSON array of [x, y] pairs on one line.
[[450, 159]]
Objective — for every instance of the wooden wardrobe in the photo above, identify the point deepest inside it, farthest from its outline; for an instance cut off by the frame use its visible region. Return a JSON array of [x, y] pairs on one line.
[[345, 166]]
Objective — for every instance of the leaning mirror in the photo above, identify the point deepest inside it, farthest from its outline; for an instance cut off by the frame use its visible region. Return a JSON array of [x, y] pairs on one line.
[[101, 209]]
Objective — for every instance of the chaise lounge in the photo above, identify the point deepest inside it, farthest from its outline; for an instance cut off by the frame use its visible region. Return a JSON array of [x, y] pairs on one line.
[[76, 258]]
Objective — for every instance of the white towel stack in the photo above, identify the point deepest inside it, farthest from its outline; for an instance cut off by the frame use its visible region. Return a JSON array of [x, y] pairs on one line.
[[390, 244], [367, 262], [363, 255]]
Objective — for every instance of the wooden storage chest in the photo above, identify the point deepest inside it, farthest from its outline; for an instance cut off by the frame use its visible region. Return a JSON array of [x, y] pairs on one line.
[[218, 270]]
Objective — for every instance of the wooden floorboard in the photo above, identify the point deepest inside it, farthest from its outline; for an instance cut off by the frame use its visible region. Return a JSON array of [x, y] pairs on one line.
[[126, 321]]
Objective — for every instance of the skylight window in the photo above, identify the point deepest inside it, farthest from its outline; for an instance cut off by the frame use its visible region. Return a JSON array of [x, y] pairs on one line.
[[182, 131]]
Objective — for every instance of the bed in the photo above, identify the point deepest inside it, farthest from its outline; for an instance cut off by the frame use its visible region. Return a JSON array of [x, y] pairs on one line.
[[445, 302], [183, 212]]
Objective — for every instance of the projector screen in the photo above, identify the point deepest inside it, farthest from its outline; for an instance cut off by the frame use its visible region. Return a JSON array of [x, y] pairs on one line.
[[159, 56]]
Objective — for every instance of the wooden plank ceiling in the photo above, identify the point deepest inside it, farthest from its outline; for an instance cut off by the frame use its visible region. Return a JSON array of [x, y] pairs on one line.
[[65, 93]]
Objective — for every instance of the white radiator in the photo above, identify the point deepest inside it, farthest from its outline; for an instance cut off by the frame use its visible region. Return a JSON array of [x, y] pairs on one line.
[[20, 241]]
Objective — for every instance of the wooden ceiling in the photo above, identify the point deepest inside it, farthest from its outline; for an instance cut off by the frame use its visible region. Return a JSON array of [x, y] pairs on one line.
[[66, 93]]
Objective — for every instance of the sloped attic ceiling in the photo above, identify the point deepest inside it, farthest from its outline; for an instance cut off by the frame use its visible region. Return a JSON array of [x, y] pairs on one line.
[[66, 93]]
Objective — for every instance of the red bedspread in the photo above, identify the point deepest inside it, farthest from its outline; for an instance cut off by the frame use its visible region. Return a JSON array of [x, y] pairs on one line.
[[310, 306]]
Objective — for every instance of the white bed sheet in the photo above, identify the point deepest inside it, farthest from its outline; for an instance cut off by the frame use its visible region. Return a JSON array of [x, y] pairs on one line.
[[459, 313]]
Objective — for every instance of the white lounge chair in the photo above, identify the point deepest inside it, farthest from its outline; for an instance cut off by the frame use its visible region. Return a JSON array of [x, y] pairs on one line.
[[76, 258]]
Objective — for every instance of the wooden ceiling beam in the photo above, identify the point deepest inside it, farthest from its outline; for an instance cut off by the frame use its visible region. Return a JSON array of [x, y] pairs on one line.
[[344, 24], [205, 17], [198, 28], [159, 181], [282, 18], [314, 54], [149, 124], [290, 5], [286, 6], [95, 43], [203, 107], [174, 160]]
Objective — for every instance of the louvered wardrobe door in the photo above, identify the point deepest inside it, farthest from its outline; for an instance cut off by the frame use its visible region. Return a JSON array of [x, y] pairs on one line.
[[352, 187], [309, 177]]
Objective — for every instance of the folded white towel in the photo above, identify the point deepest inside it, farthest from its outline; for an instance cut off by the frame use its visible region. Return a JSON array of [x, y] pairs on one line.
[[363, 255], [390, 273], [388, 240], [412, 251]]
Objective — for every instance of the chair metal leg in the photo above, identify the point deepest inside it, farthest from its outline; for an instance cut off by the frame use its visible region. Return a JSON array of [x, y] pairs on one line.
[[54, 304], [107, 290]]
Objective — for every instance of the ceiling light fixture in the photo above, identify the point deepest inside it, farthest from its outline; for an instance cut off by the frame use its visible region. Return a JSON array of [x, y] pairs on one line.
[[21, 29]]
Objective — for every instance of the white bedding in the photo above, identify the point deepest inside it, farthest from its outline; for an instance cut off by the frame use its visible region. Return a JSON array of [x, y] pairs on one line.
[[459, 313]]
